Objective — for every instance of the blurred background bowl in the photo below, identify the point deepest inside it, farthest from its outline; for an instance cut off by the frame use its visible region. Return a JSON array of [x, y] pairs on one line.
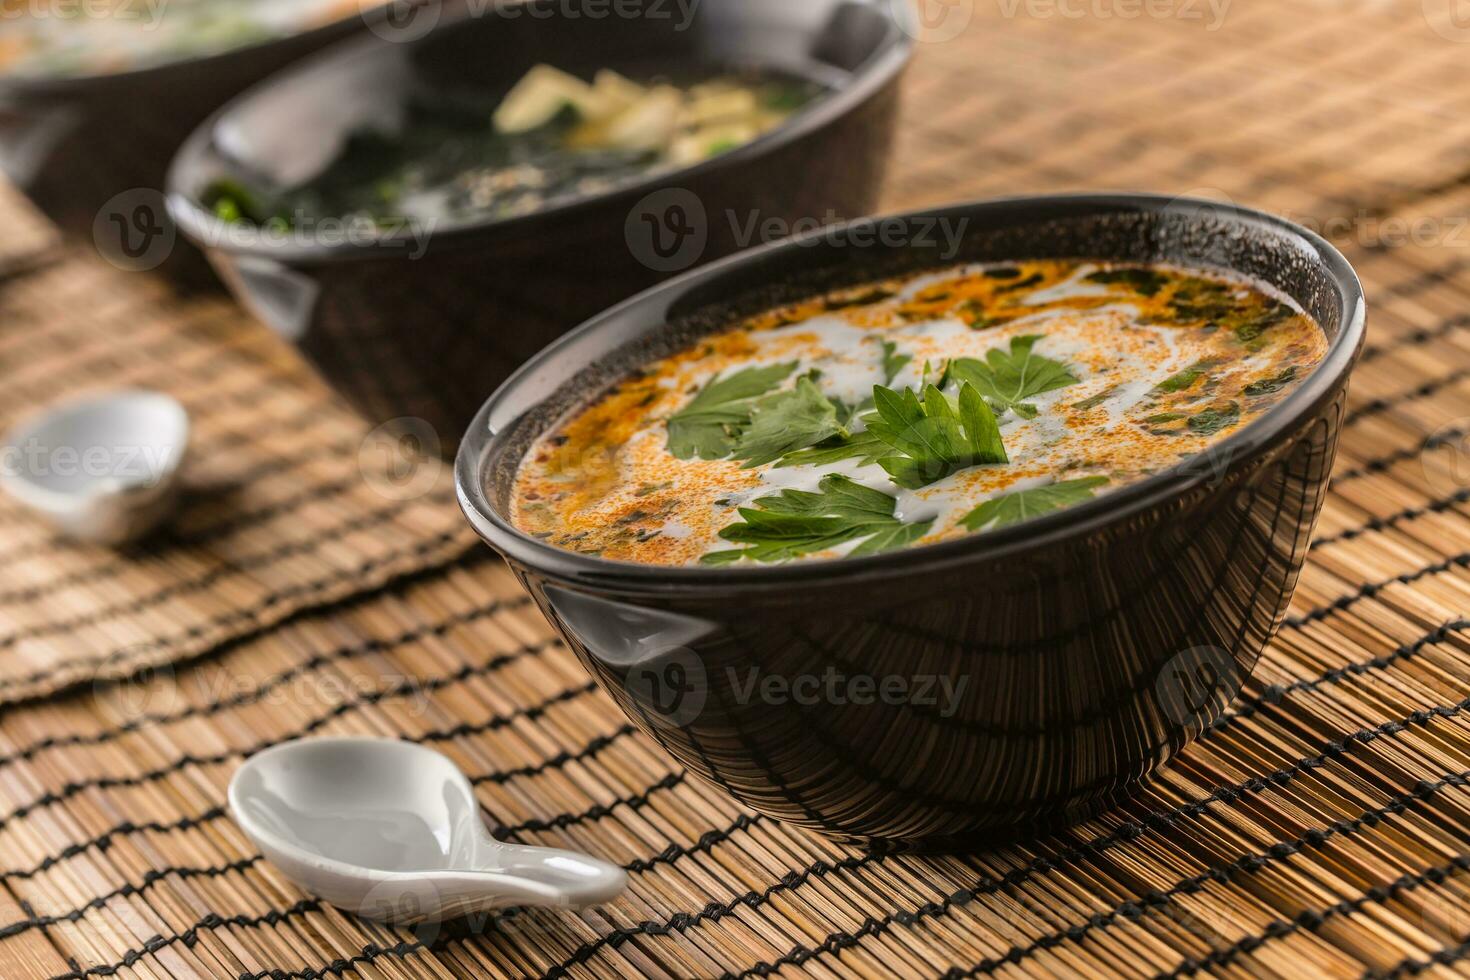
[[91, 150], [422, 329]]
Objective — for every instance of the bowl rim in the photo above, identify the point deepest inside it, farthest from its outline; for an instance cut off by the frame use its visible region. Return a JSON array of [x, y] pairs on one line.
[[65, 85], [888, 61], [1253, 439]]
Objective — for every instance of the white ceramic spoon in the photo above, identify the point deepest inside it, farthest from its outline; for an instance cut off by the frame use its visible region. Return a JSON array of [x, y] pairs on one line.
[[104, 468], [391, 831]]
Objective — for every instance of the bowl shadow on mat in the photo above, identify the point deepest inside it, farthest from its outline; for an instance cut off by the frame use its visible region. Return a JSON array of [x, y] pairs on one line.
[[1022, 678]]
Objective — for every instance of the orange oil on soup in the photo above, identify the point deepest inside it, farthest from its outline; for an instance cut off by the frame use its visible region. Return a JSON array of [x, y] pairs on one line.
[[913, 411]]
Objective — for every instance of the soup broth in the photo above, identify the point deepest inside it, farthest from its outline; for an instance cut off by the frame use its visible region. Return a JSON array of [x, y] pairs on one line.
[[913, 411], [552, 138]]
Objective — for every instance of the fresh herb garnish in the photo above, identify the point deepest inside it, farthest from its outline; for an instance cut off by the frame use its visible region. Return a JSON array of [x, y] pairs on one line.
[[1012, 508], [1197, 299], [1007, 379], [1269, 386], [1091, 402], [1184, 379], [1035, 279], [930, 439], [1145, 282], [893, 362], [793, 523], [786, 422], [1215, 419], [860, 445], [1164, 418], [1249, 330], [709, 426]]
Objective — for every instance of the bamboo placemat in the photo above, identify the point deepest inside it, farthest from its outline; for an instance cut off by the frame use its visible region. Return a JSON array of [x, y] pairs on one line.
[[1320, 829], [287, 505]]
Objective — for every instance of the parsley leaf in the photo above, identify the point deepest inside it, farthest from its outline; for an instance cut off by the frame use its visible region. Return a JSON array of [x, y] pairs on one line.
[[1145, 282], [859, 445], [1269, 385], [931, 439], [1213, 420], [1248, 329], [893, 362], [1021, 505], [1184, 379], [1088, 404], [710, 424], [786, 422], [1007, 379], [797, 522]]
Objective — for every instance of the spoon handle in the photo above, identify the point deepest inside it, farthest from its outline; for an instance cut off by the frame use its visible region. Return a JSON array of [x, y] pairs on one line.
[[547, 876]]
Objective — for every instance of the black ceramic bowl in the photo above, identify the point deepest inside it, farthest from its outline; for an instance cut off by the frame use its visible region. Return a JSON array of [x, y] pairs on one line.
[[422, 328], [1041, 670], [87, 148]]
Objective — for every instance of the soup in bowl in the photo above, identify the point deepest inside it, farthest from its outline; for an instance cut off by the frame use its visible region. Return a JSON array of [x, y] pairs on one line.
[[899, 541]]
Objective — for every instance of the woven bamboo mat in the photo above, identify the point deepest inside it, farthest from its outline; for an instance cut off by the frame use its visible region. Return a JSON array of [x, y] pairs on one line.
[[1320, 829], [287, 506]]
